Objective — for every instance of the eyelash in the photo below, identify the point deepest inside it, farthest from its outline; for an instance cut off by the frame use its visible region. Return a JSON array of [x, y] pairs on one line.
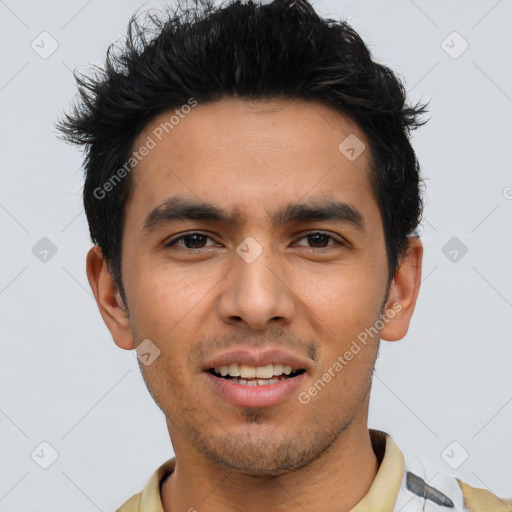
[[311, 233]]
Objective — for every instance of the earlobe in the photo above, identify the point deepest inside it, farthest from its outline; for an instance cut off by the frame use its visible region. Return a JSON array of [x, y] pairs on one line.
[[108, 299], [403, 293]]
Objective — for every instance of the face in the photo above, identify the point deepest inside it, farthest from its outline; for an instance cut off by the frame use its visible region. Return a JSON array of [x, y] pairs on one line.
[[280, 261]]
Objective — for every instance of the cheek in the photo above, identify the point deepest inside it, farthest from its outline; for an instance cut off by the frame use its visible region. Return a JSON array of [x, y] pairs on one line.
[[347, 310], [162, 297], [347, 299], [168, 310], [163, 313], [166, 381]]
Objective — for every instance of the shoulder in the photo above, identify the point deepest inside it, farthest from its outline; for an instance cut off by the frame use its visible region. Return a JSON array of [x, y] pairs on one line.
[[426, 488], [132, 505], [445, 493], [149, 500], [482, 500]]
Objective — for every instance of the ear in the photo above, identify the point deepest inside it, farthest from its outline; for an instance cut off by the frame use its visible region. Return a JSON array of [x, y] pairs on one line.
[[109, 300], [403, 293]]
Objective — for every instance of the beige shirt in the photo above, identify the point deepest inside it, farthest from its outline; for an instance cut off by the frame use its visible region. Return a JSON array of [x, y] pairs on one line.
[[394, 489]]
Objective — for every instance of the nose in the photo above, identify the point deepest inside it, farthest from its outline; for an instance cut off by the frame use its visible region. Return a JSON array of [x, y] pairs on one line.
[[255, 293]]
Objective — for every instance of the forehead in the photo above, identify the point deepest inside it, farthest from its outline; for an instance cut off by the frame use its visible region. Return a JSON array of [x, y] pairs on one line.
[[242, 154]]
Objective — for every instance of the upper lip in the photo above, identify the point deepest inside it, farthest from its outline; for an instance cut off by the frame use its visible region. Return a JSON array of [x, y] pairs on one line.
[[253, 358]]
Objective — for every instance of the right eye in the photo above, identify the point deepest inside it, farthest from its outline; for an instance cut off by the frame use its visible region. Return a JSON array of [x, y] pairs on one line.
[[189, 239]]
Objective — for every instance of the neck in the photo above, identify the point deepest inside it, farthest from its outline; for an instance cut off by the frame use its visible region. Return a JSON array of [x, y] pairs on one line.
[[337, 480]]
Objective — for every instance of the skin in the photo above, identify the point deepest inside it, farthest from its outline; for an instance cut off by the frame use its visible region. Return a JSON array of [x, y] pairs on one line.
[[311, 297]]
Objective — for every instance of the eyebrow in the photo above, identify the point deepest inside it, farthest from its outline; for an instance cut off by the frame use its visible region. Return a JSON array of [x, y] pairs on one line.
[[178, 208]]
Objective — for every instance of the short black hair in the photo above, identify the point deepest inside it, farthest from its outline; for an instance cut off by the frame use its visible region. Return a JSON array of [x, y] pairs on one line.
[[279, 50]]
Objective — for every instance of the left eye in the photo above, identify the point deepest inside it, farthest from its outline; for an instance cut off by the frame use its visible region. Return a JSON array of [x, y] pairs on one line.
[[319, 237]]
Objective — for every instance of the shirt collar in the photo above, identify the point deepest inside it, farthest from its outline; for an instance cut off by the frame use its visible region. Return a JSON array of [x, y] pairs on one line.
[[381, 496], [384, 490]]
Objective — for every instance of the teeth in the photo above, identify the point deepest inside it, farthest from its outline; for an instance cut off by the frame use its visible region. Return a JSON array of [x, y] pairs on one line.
[[278, 369], [234, 370], [257, 382], [247, 372], [254, 372], [265, 372]]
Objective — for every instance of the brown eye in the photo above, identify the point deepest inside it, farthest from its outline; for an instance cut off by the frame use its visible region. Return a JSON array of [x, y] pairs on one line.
[[190, 241], [320, 240]]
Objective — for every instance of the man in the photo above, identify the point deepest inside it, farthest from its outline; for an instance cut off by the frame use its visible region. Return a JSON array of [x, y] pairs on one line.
[[253, 197]]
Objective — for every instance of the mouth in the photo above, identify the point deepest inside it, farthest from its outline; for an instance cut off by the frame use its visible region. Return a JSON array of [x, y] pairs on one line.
[[255, 386], [245, 375]]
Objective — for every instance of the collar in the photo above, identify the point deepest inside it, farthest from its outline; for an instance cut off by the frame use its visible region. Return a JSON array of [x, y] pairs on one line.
[[383, 493], [381, 496]]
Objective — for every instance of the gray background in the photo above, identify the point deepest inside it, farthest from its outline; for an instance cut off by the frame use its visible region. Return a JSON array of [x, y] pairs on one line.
[[64, 382]]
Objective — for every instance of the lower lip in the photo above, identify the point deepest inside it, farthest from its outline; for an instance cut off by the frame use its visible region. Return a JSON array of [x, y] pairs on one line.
[[255, 396]]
